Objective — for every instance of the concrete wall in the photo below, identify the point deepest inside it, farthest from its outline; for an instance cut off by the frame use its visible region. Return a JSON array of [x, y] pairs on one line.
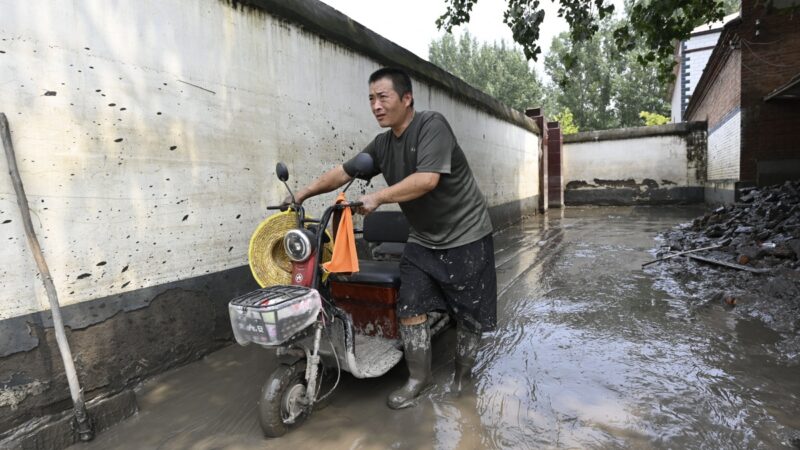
[[647, 165], [147, 133]]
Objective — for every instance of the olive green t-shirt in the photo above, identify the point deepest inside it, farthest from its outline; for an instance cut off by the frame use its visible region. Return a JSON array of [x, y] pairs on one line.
[[454, 213]]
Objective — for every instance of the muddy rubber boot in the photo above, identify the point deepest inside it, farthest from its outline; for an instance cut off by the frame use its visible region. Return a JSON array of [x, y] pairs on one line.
[[466, 349], [417, 349]]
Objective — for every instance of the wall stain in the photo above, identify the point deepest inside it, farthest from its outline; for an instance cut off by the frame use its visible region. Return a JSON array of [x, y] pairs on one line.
[[629, 183]]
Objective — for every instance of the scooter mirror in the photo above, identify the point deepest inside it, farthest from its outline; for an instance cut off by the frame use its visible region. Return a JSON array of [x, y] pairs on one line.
[[363, 164], [282, 172]]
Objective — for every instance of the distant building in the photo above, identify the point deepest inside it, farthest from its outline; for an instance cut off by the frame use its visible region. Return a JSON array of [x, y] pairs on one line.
[[749, 97], [692, 56]]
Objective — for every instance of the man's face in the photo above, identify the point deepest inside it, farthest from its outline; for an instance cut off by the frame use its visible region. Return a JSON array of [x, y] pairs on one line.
[[388, 108]]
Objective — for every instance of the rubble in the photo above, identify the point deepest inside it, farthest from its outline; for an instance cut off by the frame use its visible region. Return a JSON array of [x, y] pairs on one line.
[[754, 250], [762, 230]]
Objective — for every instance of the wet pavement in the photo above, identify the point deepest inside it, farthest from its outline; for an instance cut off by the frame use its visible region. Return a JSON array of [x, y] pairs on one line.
[[590, 352]]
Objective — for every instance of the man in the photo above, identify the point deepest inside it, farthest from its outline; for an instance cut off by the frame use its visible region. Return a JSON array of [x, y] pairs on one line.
[[448, 262]]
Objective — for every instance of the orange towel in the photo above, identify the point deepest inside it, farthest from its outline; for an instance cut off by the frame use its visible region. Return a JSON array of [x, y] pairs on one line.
[[345, 258]]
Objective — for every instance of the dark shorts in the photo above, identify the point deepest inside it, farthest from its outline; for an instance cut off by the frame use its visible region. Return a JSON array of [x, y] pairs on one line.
[[459, 280]]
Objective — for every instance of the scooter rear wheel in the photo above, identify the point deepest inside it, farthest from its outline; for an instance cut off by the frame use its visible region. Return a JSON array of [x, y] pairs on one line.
[[279, 407]]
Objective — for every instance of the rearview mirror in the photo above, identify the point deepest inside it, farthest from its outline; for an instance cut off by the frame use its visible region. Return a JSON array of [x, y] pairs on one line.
[[282, 172], [363, 164]]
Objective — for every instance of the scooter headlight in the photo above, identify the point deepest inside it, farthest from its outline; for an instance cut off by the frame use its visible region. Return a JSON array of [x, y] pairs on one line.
[[298, 244]]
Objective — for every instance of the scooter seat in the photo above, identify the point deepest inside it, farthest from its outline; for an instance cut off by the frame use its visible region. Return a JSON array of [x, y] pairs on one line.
[[385, 273]]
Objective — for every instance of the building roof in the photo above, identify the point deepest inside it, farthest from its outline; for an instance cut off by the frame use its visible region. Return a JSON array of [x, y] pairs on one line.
[[789, 91], [713, 26]]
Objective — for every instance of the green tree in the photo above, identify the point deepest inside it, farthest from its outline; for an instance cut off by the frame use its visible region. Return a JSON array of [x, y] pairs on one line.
[[731, 6], [653, 25], [637, 87], [651, 119], [566, 122], [603, 87], [582, 74], [500, 70]]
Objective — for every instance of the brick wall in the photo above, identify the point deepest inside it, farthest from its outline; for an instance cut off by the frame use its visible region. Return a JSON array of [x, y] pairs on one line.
[[770, 130], [722, 94]]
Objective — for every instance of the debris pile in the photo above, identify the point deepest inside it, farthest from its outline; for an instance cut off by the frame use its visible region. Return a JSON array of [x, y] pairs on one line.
[[761, 231], [753, 248]]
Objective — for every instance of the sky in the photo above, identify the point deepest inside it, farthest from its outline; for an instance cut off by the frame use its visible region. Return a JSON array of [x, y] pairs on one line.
[[412, 23]]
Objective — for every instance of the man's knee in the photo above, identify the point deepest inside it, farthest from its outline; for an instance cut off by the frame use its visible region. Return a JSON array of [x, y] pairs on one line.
[[414, 320]]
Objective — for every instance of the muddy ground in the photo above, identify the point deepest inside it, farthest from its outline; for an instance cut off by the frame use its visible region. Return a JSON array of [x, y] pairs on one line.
[[591, 351]]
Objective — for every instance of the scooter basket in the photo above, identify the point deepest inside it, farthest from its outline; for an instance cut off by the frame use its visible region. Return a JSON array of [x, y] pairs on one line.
[[272, 315]]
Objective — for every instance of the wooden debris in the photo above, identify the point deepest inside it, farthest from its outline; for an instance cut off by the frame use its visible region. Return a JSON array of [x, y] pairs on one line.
[[727, 264], [680, 253]]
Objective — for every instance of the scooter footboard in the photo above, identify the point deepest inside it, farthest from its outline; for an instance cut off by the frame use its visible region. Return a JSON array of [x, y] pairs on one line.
[[361, 355]]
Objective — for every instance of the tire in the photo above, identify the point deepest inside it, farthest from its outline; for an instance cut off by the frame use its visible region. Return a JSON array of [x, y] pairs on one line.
[[284, 382]]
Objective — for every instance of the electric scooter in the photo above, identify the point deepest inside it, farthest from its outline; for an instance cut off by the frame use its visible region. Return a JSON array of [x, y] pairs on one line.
[[325, 323]]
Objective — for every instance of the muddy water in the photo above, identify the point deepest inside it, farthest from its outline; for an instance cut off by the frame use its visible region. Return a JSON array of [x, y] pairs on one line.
[[590, 352]]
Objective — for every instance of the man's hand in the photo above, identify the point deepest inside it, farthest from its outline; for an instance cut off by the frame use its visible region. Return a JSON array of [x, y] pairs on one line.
[[287, 201], [371, 202]]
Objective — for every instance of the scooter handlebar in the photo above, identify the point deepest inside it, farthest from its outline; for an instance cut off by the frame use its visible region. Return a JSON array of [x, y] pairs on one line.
[[284, 207]]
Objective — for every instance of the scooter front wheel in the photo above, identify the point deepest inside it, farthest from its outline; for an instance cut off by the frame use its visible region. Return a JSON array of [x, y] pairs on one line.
[[281, 406]]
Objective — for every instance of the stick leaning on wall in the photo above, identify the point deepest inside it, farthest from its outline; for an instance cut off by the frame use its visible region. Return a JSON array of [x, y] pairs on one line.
[[84, 428]]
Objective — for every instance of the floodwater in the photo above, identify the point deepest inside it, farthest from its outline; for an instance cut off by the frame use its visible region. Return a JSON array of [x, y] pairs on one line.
[[590, 352]]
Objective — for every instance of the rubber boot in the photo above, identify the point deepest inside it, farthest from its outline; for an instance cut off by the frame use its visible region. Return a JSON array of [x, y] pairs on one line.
[[417, 349], [466, 349]]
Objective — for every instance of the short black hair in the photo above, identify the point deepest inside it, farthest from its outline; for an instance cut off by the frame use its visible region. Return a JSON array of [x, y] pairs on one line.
[[400, 80]]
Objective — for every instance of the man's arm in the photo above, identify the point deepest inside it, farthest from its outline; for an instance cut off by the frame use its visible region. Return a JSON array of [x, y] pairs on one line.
[[413, 186], [327, 182]]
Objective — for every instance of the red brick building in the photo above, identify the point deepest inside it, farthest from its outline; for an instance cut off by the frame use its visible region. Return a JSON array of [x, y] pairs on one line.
[[749, 95]]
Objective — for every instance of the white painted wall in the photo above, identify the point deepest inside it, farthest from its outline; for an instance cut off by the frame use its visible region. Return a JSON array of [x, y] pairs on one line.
[[703, 40], [676, 104], [697, 62], [154, 160], [656, 157], [724, 148], [693, 62]]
